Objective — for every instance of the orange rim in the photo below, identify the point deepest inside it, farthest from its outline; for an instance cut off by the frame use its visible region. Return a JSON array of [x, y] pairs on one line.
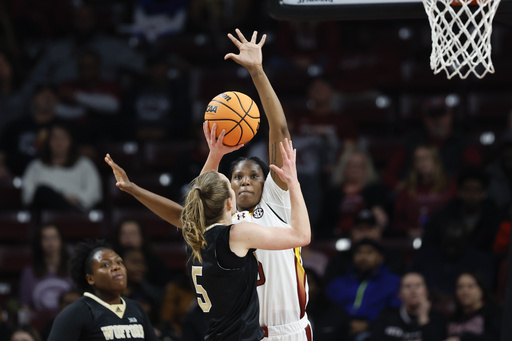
[[459, 2]]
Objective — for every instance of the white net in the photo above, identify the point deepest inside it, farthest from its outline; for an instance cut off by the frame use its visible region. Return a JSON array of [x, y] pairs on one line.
[[461, 36]]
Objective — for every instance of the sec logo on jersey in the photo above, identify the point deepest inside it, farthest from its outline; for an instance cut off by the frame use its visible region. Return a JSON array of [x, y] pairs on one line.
[[258, 212]]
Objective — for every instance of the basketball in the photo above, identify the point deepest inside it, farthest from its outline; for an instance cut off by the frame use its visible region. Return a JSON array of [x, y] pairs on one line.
[[236, 113]]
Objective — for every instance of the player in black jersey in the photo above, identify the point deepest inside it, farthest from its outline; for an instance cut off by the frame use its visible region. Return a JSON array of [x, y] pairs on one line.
[[222, 261], [101, 313]]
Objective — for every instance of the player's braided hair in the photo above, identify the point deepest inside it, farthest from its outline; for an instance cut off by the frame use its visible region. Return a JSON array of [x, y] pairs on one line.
[[204, 206], [81, 262]]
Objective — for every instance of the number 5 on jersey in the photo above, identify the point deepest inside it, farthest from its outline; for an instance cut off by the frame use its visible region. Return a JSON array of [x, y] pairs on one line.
[[204, 300]]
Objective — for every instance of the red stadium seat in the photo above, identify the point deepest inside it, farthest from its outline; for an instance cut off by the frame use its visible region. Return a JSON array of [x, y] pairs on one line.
[[16, 226], [76, 226], [161, 156], [157, 228], [14, 258]]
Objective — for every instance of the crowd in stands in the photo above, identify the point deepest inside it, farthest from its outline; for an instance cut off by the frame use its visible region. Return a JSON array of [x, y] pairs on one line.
[[407, 177]]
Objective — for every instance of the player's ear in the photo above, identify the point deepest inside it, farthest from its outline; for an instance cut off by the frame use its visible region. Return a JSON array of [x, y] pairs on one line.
[[90, 279]]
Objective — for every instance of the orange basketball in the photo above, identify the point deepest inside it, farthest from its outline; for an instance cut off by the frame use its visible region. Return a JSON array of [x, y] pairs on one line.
[[236, 113]]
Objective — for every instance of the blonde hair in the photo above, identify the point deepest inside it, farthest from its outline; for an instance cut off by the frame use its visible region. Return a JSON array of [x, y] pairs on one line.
[[338, 174], [204, 206], [439, 180]]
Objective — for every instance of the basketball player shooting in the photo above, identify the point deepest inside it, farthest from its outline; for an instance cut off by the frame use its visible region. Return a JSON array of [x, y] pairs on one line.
[[261, 197]]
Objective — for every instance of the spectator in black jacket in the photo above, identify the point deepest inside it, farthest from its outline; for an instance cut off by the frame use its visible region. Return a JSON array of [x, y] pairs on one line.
[[414, 320], [477, 316], [472, 208]]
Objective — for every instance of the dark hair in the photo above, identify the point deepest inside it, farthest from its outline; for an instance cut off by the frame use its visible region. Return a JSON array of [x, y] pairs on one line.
[[38, 263], [482, 283], [73, 153], [82, 260], [263, 166], [26, 328], [146, 241], [472, 173]]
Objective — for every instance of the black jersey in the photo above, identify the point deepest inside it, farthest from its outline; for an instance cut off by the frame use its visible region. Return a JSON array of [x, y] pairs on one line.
[[225, 285], [88, 320]]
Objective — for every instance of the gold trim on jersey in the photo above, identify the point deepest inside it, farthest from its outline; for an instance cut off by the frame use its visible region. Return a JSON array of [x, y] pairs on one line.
[[117, 309]]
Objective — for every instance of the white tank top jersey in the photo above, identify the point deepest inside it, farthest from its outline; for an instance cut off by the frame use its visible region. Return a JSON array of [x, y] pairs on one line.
[[282, 285]]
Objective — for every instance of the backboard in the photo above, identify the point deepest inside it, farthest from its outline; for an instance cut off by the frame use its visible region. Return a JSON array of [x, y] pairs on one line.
[[355, 9]]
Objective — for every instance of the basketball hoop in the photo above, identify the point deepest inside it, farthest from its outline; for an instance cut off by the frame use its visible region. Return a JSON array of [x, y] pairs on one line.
[[461, 36]]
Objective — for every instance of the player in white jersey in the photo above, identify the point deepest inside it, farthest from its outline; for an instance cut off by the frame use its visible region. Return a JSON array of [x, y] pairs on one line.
[[261, 197]]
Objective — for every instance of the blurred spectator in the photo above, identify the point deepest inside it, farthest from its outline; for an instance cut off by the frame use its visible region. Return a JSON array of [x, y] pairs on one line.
[[329, 321], [61, 179], [58, 63], [90, 101], [356, 187], [426, 189], [500, 176], [414, 320], [314, 259], [138, 288], [477, 316], [65, 299], [471, 208], [365, 227], [25, 333], [158, 107], [13, 94], [22, 139], [131, 233], [366, 289], [442, 263], [46, 278], [178, 299], [439, 131], [323, 116]]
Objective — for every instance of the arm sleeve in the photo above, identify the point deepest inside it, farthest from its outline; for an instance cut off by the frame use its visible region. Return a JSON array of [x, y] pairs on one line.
[[70, 323]]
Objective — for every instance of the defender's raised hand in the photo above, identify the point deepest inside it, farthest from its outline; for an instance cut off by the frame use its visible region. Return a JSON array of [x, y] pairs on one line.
[[250, 51]]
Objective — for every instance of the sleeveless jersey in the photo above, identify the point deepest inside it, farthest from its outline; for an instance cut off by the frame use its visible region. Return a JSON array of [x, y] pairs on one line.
[[225, 286], [86, 319], [282, 285]]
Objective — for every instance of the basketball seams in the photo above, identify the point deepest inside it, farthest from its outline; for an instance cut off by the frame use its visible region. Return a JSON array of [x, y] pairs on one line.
[[242, 118], [233, 118]]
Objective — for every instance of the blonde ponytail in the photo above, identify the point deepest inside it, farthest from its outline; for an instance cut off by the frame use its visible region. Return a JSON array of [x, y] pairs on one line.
[[204, 206]]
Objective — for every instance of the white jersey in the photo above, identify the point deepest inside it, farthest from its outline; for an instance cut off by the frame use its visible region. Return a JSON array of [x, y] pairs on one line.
[[282, 285]]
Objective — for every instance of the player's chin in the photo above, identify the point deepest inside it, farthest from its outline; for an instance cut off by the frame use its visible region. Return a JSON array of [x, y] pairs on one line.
[[246, 201]]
